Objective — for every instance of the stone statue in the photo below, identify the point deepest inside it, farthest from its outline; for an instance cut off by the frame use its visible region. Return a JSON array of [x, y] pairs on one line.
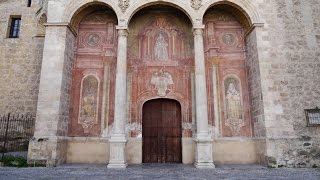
[[161, 49]]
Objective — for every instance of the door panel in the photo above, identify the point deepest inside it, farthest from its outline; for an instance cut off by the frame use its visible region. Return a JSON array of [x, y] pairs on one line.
[[162, 131]]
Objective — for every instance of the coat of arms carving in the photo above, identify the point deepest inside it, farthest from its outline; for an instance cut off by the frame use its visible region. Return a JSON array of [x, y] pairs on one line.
[[161, 81], [123, 4], [196, 4]]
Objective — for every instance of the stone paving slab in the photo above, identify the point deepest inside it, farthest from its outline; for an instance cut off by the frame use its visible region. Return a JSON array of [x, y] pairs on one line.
[[159, 172]]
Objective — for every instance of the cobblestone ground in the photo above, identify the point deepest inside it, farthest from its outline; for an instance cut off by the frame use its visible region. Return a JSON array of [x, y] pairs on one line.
[[158, 171]]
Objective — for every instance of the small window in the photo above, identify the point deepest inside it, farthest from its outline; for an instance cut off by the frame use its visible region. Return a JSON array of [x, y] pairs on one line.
[[15, 27], [29, 3], [313, 116]]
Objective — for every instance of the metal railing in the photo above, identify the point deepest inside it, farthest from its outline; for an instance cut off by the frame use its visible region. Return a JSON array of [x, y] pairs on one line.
[[15, 132]]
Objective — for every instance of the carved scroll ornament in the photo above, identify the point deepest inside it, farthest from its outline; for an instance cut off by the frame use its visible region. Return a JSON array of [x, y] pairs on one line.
[[196, 4]]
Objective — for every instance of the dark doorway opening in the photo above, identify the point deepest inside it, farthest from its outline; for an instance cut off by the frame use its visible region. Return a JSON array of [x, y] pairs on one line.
[[161, 131]]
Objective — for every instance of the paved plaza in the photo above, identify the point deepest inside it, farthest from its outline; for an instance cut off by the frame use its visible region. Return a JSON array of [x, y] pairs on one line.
[[159, 171]]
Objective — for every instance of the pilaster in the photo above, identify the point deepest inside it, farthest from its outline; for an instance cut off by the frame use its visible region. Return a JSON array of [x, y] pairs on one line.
[[48, 146]]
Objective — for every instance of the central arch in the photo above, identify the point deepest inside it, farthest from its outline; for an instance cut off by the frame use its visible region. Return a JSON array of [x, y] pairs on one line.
[[161, 131]]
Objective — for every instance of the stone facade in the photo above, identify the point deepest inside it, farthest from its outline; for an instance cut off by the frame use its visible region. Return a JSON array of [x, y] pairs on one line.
[[21, 57], [243, 72]]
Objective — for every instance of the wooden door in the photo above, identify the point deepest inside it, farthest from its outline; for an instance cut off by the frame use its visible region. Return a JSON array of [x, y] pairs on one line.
[[161, 131]]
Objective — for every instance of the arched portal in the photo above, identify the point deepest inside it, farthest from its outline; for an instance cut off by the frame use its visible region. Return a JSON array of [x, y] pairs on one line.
[[93, 76], [161, 131], [160, 65], [225, 48]]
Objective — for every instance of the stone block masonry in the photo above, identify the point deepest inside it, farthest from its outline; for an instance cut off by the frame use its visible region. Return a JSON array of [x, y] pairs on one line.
[[20, 58]]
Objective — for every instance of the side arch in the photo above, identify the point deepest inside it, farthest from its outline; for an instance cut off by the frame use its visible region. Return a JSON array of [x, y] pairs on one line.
[[246, 7], [74, 7]]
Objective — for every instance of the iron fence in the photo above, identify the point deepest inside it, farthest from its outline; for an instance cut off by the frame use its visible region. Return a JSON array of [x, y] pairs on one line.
[[15, 132]]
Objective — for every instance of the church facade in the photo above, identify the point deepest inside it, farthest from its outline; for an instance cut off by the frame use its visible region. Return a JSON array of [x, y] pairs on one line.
[[200, 82]]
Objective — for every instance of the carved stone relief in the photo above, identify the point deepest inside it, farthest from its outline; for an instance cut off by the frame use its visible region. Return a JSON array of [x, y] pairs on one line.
[[196, 4], [228, 39], [233, 107], [89, 98], [123, 4], [161, 81], [93, 39]]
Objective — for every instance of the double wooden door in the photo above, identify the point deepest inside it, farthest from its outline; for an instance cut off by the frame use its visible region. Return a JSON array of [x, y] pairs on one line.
[[161, 131]]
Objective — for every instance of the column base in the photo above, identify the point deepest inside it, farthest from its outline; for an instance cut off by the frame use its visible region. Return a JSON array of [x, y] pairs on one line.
[[47, 151], [118, 158], [204, 165], [117, 166], [203, 159]]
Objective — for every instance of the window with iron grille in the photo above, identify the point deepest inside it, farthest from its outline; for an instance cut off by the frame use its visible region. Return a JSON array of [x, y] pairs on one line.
[[313, 116], [15, 27]]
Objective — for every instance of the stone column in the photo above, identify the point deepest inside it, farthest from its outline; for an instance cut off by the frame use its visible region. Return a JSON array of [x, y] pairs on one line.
[[203, 154], [49, 145], [118, 138]]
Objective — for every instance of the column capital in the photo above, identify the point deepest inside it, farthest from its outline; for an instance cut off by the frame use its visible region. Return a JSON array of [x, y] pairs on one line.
[[122, 31], [198, 26], [198, 30]]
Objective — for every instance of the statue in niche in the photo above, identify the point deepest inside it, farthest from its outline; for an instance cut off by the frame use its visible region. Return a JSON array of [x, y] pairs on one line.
[[234, 110], [161, 48]]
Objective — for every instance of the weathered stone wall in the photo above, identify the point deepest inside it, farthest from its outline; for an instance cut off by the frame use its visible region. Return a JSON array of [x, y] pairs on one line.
[[290, 67], [254, 80], [20, 58], [49, 140]]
